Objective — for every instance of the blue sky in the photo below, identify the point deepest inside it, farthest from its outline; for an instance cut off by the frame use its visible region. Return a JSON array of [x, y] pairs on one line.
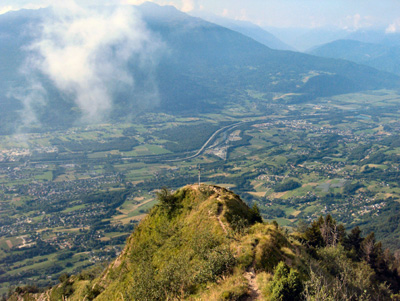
[[348, 14]]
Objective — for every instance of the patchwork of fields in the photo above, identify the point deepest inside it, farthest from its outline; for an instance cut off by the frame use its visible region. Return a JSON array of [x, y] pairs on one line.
[[70, 198]]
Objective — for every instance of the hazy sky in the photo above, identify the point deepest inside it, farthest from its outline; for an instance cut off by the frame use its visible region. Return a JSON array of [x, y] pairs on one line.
[[350, 14]]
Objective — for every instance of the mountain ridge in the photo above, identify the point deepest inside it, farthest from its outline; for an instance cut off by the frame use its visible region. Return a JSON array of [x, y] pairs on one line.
[[379, 56], [248, 29], [204, 243]]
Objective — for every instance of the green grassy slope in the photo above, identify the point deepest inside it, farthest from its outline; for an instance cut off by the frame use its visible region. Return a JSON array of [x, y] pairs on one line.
[[205, 243], [200, 247]]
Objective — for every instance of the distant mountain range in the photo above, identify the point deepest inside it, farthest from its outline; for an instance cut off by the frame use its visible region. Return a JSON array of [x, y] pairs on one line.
[[378, 36], [204, 67], [307, 39], [303, 39], [380, 56], [248, 29]]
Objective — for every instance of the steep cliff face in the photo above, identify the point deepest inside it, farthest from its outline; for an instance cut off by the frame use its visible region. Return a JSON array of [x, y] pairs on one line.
[[200, 243]]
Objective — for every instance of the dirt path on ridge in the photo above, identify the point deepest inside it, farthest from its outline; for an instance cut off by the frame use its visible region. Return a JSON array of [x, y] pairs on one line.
[[250, 275], [255, 293], [220, 208]]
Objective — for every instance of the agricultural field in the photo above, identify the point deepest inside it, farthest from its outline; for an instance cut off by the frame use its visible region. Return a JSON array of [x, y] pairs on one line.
[[69, 199]]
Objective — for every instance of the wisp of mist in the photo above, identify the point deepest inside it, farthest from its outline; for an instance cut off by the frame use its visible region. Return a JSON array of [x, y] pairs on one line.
[[85, 52]]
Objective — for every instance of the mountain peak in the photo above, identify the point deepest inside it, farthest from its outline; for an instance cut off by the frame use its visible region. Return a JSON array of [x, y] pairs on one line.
[[158, 13], [204, 243], [183, 243], [154, 6]]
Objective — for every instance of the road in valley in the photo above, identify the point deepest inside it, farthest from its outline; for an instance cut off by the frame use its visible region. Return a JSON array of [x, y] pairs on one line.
[[228, 127]]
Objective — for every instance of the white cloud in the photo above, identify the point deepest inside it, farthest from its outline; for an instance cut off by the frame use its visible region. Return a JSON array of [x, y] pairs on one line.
[[132, 2], [17, 5], [180, 4], [32, 95], [394, 27], [85, 53], [356, 21], [187, 5], [243, 15], [6, 9]]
